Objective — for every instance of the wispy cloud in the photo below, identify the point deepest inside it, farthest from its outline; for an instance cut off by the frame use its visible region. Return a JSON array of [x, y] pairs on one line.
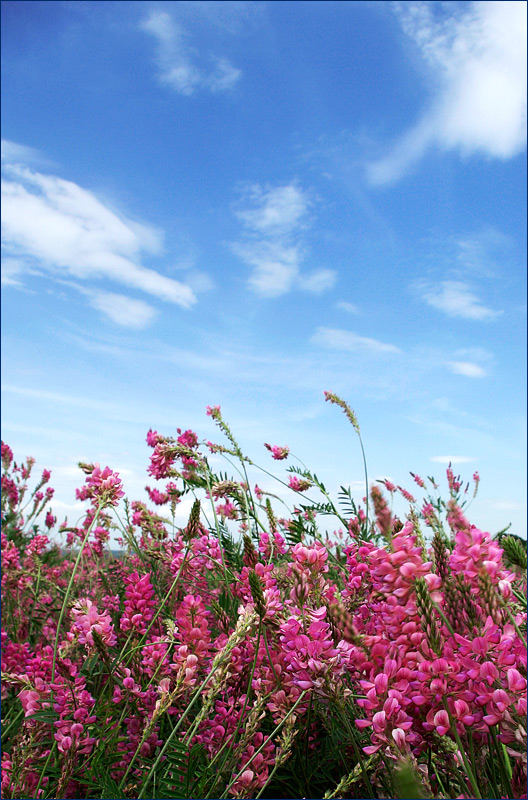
[[55, 225], [123, 310], [350, 308], [177, 59], [452, 459], [338, 339], [274, 219], [456, 299], [13, 153], [477, 59], [12, 271], [467, 368]]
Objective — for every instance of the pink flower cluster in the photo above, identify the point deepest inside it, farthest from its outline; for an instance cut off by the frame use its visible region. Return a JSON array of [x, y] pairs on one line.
[[102, 486], [87, 620], [277, 452], [139, 603]]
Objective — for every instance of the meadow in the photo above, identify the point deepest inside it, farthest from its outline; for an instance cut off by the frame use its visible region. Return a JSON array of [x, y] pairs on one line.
[[318, 649]]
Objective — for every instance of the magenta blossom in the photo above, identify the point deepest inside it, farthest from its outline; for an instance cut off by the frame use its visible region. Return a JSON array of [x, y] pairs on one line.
[[102, 486], [297, 484], [278, 453]]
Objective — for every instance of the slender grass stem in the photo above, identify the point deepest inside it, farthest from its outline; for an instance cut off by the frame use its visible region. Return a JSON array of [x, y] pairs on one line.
[[217, 527], [175, 730], [240, 718], [70, 585], [264, 743], [467, 766]]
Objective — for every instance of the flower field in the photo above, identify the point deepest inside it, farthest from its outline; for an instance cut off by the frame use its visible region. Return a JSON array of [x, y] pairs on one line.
[[321, 649]]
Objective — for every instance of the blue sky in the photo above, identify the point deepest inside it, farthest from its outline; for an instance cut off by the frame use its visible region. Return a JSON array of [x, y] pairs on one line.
[[245, 204]]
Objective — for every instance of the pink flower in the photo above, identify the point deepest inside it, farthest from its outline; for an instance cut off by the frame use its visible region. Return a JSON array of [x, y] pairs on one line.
[[7, 455], [154, 438], [139, 603], [278, 453], [297, 484], [187, 439], [418, 480], [103, 486], [407, 495], [516, 683], [314, 556], [440, 721], [227, 510], [157, 497], [161, 460], [50, 520], [87, 619]]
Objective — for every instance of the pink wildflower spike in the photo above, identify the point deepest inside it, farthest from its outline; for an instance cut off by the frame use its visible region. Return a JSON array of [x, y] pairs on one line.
[[418, 480], [138, 604], [298, 484], [50, 520], [161, 461], [407, 495], [157, 497], [154, 438], [102, 485], [314, 557], [278, 453], [227, 510], [87, 620]]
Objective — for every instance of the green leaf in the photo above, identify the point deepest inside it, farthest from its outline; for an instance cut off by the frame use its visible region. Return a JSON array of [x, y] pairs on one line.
[[406, 782]]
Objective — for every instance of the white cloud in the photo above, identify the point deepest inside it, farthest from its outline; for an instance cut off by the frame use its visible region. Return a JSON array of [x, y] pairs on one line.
[[274, 219], [350, 308], [12, 270], [474, 353], [338, 339], [318, 281], [278, 210], [452, 459], [477, 61], [456, 299], [177, 59], [13, 153], [123, 310], [67, 231], [223, 77], [505, 505], [467, 368]]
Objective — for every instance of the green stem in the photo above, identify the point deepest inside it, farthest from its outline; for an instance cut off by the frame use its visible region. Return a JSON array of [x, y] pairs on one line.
[[359, 756], [512, 620], [68, 590], [193, 699], [240, 718], [264, 743], [504, 762], [366, 482], [42, 774], [469, 771], [491, 766], [227, 583], [269, 658]]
